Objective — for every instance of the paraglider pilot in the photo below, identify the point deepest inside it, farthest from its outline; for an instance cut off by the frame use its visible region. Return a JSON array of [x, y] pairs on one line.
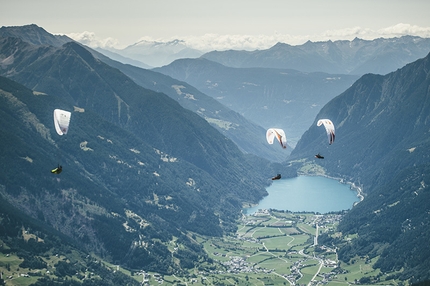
[[319, 156], [57, 170], [277, 177]]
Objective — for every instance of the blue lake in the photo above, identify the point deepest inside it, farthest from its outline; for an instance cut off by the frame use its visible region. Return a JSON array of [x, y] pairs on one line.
[[307, 193]]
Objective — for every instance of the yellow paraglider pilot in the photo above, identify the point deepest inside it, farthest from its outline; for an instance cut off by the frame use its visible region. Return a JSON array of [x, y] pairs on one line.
[[57, 170]]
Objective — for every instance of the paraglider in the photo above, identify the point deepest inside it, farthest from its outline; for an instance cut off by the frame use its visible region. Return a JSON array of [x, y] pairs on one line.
[[61, 123], [271, 133], [279, 134], [329, 127]]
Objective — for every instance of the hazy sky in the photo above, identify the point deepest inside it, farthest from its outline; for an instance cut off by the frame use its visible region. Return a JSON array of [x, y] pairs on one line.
[[228, 22]]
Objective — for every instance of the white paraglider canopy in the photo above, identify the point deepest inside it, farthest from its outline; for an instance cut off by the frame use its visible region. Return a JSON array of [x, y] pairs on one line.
[[329, 128], [277, 133], [61, 121]]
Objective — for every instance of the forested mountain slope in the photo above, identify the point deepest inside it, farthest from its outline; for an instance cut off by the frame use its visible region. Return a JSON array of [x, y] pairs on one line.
[[382, 144], [248, 136], [140, 171]]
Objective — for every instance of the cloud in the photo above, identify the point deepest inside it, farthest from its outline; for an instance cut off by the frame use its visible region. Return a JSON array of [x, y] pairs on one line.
[[397, 30], [406, 29], [348, 34], [90, 39], [210, 42]]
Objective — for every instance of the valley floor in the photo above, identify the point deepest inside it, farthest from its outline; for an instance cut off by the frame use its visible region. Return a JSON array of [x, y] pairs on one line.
[[277, 248], [269, 248]]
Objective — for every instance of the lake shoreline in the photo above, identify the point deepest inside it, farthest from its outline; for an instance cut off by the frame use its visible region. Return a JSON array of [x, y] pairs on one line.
[[304, 191], [352, 185]]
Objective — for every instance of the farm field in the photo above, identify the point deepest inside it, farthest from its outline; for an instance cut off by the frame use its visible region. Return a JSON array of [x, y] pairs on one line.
[[280, 248], [268, 248]]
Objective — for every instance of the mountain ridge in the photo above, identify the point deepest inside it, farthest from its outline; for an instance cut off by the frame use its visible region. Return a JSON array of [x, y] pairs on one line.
[[358, 56], [34, 34], [248, 137], [156, 54], [282, 98], [378, 96]]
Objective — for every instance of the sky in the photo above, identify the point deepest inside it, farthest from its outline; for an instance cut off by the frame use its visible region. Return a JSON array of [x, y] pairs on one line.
[[220, 24]]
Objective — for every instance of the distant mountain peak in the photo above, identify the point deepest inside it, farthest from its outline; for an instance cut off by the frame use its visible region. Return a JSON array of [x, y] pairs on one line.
[[157, 53], [280, 45], [148, 44]]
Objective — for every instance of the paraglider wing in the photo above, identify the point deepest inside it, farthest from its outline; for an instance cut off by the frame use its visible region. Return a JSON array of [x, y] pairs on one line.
[[61, 121], [329, 128], [277, 133]]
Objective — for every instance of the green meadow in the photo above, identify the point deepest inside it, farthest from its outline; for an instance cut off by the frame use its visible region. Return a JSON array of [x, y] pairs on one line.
[[277, 248]]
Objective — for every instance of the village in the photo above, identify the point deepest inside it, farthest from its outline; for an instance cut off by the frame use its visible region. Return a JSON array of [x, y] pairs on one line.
[[254, 232], [296, 247], [317, 223]]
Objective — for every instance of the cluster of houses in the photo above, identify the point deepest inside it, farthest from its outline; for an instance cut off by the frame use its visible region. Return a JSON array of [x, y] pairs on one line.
[[147, 276], [239, 265]]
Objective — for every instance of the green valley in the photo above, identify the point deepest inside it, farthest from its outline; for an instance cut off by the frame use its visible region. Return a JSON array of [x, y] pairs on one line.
[[269, 248]]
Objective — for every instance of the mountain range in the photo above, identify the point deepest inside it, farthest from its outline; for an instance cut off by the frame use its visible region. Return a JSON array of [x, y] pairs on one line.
[[281, 98], [356, 57], [154, 54], [285, 86], [142, 174], [379, 56], [139, 171], [248, 136]]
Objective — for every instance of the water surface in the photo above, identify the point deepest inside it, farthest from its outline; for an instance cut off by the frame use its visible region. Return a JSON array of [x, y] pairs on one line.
[[307, 193]]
